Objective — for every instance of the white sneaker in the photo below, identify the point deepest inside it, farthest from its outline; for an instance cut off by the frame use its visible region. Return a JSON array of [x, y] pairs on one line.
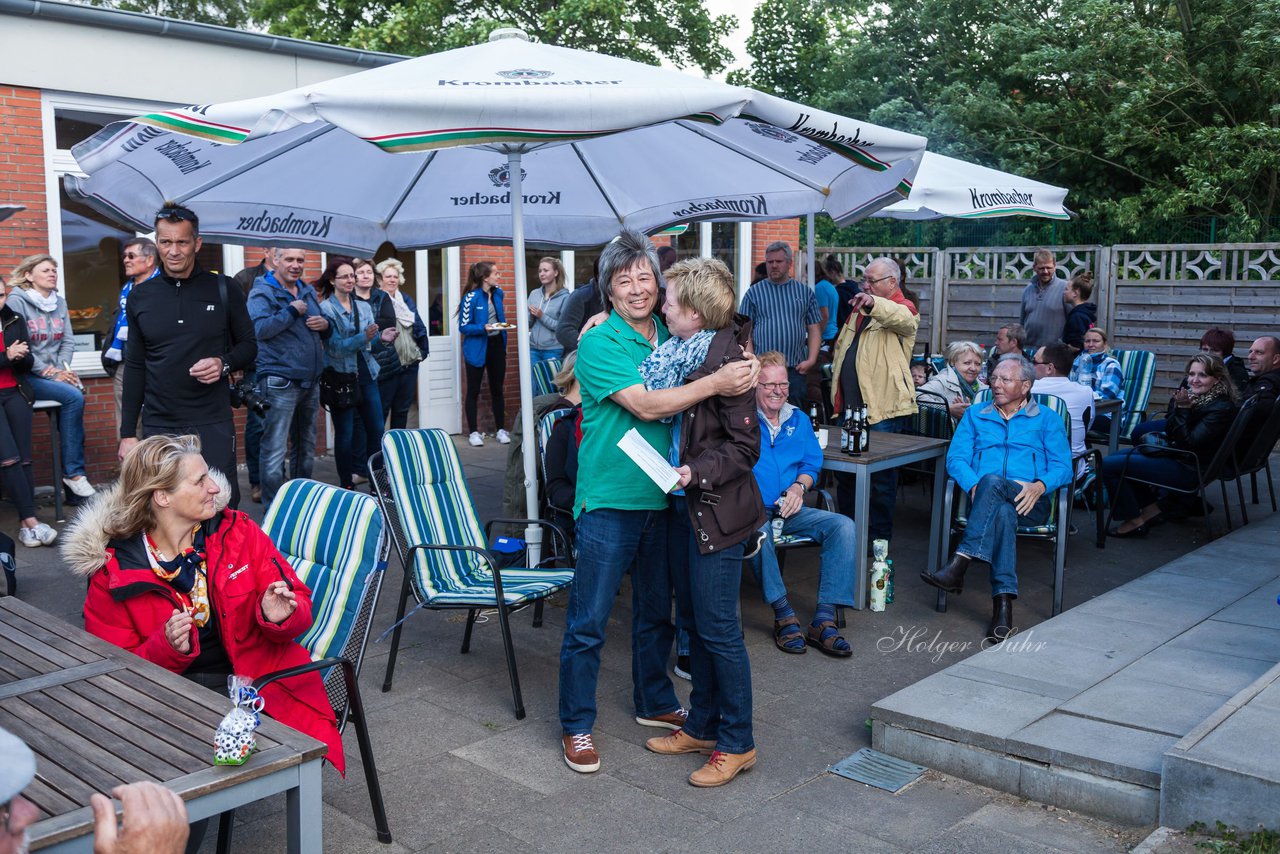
[[40, 535], [476, 440], [80, 486], [504, 438]]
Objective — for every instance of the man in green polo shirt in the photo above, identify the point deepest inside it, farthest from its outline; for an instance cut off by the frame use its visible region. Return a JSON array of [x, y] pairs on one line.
[[620, 513]]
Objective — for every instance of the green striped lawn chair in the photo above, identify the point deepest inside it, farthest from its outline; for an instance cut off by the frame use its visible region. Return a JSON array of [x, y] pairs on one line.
[[1139, 369], [544, 374], [336, 541], [423, 494], [544, 427], [1054, 529]]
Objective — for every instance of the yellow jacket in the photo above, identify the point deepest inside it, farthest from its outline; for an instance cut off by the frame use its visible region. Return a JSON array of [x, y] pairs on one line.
[[884, 358]]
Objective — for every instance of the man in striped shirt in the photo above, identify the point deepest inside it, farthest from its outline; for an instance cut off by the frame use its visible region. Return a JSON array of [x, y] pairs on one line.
[[785, 317]]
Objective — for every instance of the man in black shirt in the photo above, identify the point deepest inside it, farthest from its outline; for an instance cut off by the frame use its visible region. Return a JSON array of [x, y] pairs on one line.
[[187, 333]]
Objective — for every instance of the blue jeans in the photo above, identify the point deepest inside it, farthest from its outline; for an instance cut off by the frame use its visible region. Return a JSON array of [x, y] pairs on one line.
[[252, 436], [70, 421], [991, 534], [1146, 427], [536, 356], [288, 427], [707, 588], [609, 543], [838, 536], [884, 486], [368, 415], [1128, 498]]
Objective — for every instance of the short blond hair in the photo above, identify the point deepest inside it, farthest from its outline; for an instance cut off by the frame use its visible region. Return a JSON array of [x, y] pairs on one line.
[[564, 378], [387, 263], [773, 359], [704, 285]]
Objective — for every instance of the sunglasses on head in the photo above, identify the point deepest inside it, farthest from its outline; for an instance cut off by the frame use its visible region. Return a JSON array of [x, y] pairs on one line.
[[176, 212]]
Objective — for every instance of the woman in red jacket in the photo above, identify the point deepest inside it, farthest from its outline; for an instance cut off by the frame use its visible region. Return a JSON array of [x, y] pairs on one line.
[[201, 590]]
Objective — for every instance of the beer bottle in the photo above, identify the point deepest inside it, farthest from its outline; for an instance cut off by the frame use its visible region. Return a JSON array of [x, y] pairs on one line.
[[864, 429]]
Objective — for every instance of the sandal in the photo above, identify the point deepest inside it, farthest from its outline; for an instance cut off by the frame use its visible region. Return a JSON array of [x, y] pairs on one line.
[[789, 641], [825, 636]]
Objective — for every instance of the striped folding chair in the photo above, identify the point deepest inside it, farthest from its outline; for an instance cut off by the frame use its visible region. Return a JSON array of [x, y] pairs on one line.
[[544, 373], [544, 427], [1055, 529], [423, 493], [1139, 369], [336, 541]]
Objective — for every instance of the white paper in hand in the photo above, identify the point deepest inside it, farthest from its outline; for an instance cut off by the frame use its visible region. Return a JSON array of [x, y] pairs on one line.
[[650, 461]]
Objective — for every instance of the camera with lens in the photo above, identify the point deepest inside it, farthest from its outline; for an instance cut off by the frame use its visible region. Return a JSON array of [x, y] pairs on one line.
[[248, 395]]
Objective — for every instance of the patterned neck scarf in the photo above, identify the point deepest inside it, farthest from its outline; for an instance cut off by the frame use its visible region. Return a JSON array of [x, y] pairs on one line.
[[675, 359], [1218, 390], [186, 574]]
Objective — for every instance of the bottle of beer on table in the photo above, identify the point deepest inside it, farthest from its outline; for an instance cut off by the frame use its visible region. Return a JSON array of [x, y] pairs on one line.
[[855, 434], [846, 432], [864, 429]]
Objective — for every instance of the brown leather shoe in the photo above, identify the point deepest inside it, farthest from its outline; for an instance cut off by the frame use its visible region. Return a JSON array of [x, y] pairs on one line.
[[580, 753], [679, 742], [721, 768], [951, 577], [671, 720], [255, 492]]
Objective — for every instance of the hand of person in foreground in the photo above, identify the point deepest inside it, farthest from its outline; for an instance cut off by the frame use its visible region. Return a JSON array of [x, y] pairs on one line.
[[592, 322], [1028, 496], [278, 602], [737, 378], [153, 821]]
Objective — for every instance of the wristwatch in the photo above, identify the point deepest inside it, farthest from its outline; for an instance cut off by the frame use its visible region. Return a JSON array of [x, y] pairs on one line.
[[804, 490], [226, 368]]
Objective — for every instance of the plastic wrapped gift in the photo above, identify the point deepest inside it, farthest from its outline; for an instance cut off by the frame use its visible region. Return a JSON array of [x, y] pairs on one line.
[[234, 742]]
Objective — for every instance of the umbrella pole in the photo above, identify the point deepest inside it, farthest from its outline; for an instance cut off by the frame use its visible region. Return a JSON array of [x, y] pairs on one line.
[[529, 444], [808, 233]]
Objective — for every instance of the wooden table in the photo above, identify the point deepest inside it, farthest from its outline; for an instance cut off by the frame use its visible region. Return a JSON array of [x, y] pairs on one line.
[[887, 451], [1112, 408], [97, 716]]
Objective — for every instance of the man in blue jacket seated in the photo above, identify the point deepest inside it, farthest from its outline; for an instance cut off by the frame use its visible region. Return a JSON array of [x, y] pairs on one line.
[[1010, 456], [790, 459]]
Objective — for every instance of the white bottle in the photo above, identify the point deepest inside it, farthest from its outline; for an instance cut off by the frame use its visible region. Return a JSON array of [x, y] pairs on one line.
[[879, 578]]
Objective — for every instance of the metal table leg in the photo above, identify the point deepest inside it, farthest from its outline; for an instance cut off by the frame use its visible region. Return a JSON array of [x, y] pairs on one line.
[[305, 816]]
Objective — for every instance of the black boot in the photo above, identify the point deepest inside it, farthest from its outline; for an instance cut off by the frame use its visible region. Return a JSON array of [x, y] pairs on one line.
[[951, 577], [1001, 618]]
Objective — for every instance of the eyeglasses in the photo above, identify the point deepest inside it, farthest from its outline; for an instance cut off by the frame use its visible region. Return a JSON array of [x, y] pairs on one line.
[[132, 256], [344, 278], [867, 281], [1006, 380], [775, 386]]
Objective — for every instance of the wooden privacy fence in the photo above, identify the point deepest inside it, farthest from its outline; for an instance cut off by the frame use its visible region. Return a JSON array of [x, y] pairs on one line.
[[1150, 297]]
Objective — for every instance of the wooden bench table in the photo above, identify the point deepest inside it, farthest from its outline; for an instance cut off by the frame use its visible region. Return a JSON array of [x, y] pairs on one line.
[[97, 716]]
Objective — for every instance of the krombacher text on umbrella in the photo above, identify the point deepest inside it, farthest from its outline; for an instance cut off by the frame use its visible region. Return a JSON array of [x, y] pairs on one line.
[[749, 205], [999, 197], [265, 223], [551, 198]]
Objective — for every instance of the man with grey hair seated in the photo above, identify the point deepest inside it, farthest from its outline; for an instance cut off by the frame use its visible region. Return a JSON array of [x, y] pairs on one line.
[[1010, 455], [785, 317], [620, 512], [1010, 338]]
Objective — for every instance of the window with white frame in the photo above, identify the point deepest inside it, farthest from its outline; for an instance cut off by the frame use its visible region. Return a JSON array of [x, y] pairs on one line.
[[86, 243]]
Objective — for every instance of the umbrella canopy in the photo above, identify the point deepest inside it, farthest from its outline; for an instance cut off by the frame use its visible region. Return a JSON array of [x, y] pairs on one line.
[[436, 150], [946, 187], [7, 211], [606, 143]]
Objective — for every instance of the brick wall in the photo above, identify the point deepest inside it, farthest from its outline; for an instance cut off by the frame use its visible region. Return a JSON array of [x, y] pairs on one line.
[[764, 233]]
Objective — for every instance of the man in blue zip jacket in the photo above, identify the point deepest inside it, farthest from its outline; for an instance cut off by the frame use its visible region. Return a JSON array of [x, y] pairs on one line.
[[789, 464], [1010, 455], [291, 330]]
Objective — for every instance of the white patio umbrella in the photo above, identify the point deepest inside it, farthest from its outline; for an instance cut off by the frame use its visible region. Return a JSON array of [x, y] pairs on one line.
[[7, 211], [602, 143], [947, 187]]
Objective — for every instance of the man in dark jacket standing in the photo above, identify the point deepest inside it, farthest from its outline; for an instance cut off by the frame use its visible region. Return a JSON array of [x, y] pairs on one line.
[[188, 330], [291, 332]]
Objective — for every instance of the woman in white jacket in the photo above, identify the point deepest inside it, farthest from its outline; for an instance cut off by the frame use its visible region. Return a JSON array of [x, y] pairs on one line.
[[957, 383]]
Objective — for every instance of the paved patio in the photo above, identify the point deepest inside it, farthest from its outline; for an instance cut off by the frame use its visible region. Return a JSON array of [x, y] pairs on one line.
[[462, 774]]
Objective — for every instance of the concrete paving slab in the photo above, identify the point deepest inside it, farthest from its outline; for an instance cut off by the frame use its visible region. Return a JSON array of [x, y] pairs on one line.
[[1090, 794], [425, 799], [1174, 614], [908, 819], [1058, 662], [1257, 609], [787, 759], [480, 837], [1095, 747], [774, 827], [1093, 631], [1197, 669], [1235, 560], [606, 815], [1171, 709], [971, 839], [1048, 826], [1170, 585], [958, 708], [1258, 642], [1246, 742]]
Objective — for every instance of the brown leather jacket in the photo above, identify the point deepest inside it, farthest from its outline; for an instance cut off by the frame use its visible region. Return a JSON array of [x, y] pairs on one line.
[[720, 442]]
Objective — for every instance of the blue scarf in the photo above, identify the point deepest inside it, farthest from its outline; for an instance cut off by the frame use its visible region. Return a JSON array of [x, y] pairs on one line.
[[675, 359], [115, 352]]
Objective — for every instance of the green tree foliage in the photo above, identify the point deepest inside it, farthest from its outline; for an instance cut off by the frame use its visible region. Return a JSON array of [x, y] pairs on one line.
[[226, 13], [681, 32], [1146, 109]]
